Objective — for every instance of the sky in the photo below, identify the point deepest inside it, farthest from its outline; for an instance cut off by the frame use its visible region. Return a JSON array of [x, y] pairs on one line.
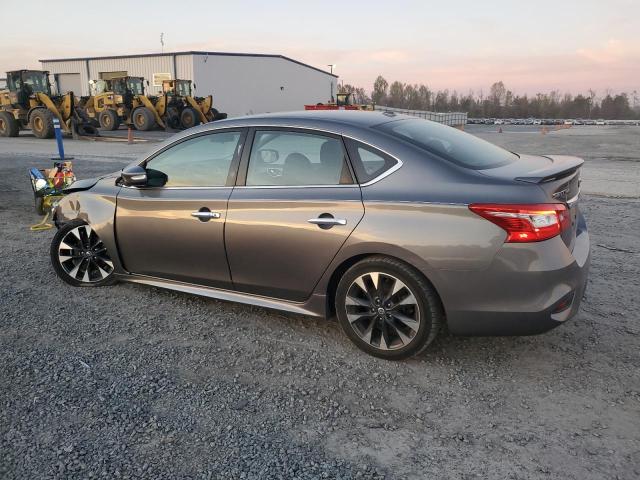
[[532, 46]]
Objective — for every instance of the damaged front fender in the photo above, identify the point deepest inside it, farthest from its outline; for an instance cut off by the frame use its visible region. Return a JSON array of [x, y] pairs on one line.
[[95, 207]]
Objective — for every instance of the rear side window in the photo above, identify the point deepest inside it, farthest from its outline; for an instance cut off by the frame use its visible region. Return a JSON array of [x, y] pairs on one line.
[[367, 161], [292, 158], [449, 143]]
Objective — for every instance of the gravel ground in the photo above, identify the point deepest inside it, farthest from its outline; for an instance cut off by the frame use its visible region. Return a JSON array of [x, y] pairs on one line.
[[135, 382]]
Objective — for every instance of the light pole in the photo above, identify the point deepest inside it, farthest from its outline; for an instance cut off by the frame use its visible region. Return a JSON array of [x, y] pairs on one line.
[[331, 65]]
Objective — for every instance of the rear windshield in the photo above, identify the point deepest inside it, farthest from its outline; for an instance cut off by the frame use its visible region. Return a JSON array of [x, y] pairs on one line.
[[449, 143]]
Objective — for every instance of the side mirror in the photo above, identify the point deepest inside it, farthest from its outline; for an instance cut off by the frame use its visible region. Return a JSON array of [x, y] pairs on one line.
[[134, 176]]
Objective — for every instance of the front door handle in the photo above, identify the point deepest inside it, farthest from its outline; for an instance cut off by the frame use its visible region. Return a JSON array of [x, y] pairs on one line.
[[324, 221], [205, 215]]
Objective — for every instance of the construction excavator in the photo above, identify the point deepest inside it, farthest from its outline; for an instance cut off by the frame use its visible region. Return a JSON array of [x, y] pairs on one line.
[[28, 102], [120, 100]]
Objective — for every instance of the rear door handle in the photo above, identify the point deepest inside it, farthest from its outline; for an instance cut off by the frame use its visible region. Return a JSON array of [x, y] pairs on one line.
[[327, 221], [205, 215]]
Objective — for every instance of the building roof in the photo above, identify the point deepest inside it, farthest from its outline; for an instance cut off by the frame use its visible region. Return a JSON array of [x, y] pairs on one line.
[[191, 52]]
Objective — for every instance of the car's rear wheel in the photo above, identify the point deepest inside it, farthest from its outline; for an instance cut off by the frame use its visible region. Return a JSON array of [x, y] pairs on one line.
[[80, 258], [387, 308]]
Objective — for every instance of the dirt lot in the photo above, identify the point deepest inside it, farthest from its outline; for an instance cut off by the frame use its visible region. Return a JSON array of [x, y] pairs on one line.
[[135, 382]]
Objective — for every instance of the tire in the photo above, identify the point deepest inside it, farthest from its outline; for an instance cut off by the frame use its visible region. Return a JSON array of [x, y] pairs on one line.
[[8, 125], [217, 115], [172, 118], [408, 310], [85, 263], [109, 120], [41, 123], [189, 118], [143, 119]]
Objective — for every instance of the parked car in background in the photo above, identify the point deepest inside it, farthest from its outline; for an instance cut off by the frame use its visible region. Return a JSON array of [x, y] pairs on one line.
[[326, 213], [568, 122], [537, 121], [600, 121], [498, 121]]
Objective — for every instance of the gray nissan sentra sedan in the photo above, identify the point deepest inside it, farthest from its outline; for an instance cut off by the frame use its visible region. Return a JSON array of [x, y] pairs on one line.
[[396, 225]]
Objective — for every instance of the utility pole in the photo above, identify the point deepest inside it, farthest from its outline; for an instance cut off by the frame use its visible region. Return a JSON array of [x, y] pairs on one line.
[[162, 42]]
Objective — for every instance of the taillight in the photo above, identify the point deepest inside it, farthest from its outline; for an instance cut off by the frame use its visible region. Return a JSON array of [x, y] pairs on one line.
[[526, 223]]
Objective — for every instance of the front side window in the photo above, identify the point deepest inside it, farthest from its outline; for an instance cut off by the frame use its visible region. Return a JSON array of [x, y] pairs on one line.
[[296, 158], [449, 143], [203, 161]]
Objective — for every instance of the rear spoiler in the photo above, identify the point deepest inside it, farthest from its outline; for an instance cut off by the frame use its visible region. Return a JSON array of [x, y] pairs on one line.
[[563, 166]]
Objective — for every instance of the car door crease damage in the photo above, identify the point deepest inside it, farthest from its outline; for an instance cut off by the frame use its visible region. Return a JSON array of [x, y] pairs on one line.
[[317, 222]]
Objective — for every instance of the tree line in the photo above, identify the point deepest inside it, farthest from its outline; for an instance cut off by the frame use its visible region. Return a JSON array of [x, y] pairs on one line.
[[500, 102]]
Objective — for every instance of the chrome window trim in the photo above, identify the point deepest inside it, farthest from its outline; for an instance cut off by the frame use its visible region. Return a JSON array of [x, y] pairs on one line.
[[384, 174], [217, 187], [344, 185]]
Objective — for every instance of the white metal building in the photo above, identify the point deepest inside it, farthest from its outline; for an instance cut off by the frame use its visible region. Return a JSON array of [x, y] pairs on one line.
[[241, 83]]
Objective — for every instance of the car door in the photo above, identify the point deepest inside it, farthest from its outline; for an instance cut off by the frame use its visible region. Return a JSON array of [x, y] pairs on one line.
[[174, 227], [294, 206]]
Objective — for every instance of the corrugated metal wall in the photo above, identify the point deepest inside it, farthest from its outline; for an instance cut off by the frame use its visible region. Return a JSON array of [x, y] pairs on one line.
[[184, 65], [239, 84], [243, 85], [134, 66], [74, 66]]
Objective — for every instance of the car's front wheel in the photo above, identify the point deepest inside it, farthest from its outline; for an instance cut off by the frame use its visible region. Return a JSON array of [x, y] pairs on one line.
[[80, 258], [387, 308]]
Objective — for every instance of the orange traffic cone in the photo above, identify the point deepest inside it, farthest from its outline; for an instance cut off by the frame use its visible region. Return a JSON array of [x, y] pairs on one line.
[[500, 130]]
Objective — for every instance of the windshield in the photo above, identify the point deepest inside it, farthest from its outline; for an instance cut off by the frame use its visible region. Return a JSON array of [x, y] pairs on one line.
[[449, 143], [135, 85], [118, 86], [343, 99], [30, 81], [183, 89]]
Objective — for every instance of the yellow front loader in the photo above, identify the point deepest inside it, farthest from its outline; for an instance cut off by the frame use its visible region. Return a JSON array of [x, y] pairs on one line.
[[121, 100], [182, 109], [29, 103]]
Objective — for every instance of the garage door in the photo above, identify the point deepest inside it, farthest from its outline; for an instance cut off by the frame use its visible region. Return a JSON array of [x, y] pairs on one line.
[[69, 82]]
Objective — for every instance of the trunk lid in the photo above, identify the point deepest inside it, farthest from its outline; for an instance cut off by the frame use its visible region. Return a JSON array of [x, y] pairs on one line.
[[557, 175]]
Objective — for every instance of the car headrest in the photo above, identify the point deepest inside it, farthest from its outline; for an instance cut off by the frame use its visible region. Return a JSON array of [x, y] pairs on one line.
[[297, 167], [330, 153]]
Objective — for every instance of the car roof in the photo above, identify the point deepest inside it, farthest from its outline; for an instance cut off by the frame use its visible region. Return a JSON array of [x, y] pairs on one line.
[[312, 118]]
